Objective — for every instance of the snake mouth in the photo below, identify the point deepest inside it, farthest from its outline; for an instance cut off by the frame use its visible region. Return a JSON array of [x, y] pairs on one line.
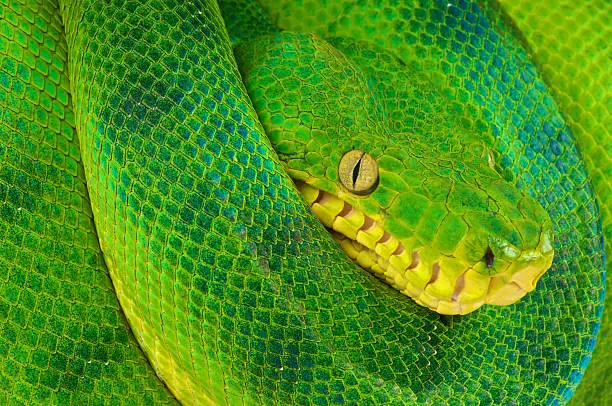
[[367, 243]]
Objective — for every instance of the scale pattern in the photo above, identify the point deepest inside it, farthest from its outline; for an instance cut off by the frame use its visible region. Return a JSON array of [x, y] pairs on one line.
[[489, 77], [436, 191], [210, 247], [63, 338], [570, 43]]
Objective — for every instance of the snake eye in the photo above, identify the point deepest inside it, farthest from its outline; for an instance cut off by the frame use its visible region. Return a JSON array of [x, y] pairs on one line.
[[489, 257], [358, 172]]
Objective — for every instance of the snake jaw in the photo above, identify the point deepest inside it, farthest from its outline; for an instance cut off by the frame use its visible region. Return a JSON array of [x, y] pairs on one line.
[[441, 283]]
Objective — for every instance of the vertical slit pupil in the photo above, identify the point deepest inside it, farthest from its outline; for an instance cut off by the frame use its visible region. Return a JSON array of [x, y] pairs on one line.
[[356, 170]]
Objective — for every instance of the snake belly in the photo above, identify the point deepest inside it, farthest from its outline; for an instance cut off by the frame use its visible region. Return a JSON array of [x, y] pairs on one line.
[[233, 290]]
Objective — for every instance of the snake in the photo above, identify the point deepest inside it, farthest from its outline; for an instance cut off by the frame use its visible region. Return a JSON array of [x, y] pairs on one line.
[[190, 190]]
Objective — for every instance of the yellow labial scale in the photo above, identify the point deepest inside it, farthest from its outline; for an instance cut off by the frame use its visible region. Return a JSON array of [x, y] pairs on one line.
[[419, 276], [385, 250], [356, 218], [445, 284], [378, 270], [411, 291], [327, 213], [475, 287], [443, 287], [390, 281], [401, 261], [371, 236], [309, 193], [382, 263], [452, 308], [349, 247], [366, 259], [527, 278], [428, 300], [350, 225], [396, 278], [503, 293], [496, 283], [448, 308], [341, 225]]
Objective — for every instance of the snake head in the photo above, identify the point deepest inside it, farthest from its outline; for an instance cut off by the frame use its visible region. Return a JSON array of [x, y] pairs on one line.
[[451, 240], [420, 210]]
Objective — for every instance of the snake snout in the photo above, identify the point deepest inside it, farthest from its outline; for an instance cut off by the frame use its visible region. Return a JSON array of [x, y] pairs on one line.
[[501, 271], [523, 271]]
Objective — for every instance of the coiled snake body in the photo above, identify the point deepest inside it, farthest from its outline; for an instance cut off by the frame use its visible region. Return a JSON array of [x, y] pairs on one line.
[[138, 186]]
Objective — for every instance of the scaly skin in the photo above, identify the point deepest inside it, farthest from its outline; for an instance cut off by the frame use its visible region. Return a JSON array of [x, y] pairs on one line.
[[63, 337], [436, 210], [570, 43], [234, 291]]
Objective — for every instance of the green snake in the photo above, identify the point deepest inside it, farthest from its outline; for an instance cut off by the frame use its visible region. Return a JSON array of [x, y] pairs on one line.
[[154, 248]]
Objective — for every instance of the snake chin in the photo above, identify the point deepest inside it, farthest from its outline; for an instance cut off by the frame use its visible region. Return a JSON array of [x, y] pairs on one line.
[[431, 282]]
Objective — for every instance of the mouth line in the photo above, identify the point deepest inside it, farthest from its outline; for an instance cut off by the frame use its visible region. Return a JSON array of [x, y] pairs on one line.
[[367, 243], [384, 270]]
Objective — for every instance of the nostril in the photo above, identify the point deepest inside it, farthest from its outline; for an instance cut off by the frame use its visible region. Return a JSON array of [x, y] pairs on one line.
[[489, 257]]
